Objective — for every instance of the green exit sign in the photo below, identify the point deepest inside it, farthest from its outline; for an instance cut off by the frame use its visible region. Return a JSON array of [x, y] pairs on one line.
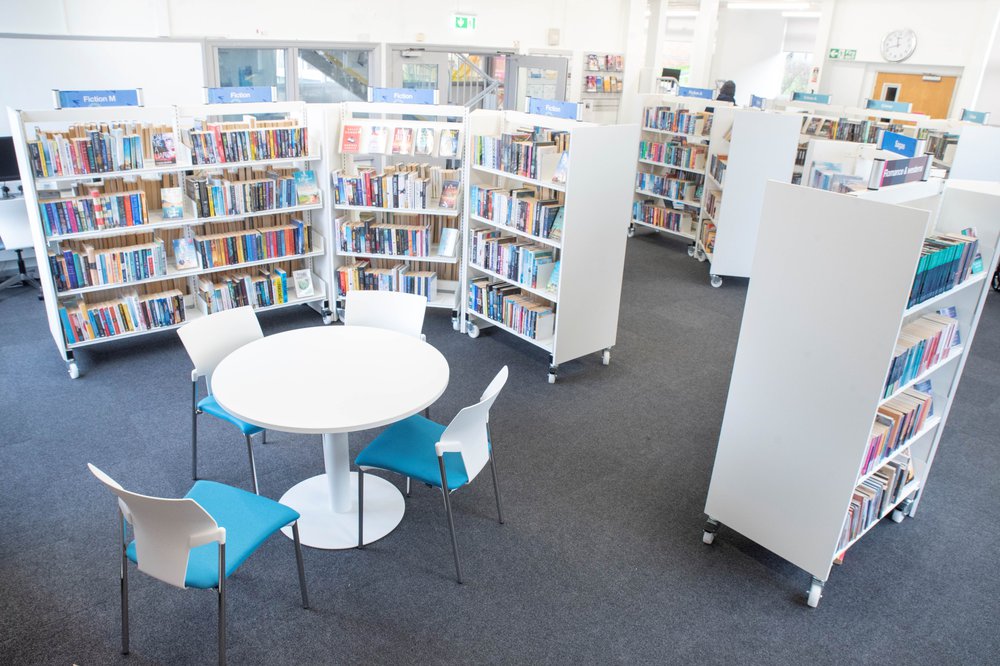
[[834, 54], [465, 22]]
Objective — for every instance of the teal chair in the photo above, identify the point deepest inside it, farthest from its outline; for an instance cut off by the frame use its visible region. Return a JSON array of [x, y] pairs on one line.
[[197, 541], [445, 457]]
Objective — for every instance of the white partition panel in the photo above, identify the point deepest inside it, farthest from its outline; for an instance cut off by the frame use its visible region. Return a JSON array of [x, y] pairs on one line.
[[977, 156]]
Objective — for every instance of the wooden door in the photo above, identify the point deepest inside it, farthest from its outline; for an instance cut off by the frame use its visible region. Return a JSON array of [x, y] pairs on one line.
[[930, 97]]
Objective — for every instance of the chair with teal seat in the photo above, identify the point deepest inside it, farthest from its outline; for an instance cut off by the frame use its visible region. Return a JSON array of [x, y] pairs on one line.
[[446, 457], [197, 541], [208, 340]]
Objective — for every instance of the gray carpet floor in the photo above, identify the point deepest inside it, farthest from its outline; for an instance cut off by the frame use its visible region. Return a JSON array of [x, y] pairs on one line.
[[604, 476]]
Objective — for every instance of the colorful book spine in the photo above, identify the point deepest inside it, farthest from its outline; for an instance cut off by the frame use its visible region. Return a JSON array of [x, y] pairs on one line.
[[128, 313], [686, 189], [399, 240], [661, 216], [523, 313], [520, 209], [93, 213], [674, 154]]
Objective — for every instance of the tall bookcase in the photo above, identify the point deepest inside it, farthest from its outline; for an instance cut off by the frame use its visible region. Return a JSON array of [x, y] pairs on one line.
[[598, 184], [134, 197], [820, 329], [441, 124], [746, 150], [673, 146]]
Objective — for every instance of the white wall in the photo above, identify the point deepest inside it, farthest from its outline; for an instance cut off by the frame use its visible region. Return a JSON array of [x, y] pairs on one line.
[[748, 51], [989, 93]]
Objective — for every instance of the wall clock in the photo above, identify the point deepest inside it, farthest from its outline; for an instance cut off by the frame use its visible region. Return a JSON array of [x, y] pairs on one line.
[[899, 45]]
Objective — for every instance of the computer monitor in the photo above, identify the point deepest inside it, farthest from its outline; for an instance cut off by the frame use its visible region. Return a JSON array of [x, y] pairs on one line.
[[8, 160], [671, 73]]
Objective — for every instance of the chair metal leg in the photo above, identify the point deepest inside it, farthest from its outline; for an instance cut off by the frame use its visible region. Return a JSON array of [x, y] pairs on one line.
[[194, 429], [493, 471], [407, 486], [263, 437], [451, 520], [253, 467], [123, 576], [361, 508], [222, 604], [298, 562]]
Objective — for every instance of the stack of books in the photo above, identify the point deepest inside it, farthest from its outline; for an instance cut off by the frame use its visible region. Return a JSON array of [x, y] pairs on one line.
[[897, 420]]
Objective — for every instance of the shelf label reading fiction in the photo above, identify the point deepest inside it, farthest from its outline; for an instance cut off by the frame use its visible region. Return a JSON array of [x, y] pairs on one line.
[[816, 98], [238, 94], [700, 93], [899, 144], [886, 105], [69, 99], [971, 116], [553, 108], [403, 95]]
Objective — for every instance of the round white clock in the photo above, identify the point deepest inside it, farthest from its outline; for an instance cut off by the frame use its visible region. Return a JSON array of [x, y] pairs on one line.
[[899, 45]]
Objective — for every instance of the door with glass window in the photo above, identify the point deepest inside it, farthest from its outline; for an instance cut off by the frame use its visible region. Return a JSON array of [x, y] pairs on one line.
[[420, 69], [534, 76]]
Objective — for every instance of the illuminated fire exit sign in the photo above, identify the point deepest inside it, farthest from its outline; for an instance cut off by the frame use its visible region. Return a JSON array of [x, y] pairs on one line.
[[465, 22]]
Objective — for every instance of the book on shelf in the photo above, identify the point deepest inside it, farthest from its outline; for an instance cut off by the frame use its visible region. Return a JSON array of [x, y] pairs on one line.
[[247, 140], [215, 195], [303, 281], [897, 420], [449, 143], [360, 275], [677, 120], [350, 139], [562, 168], [410, 186], [449, 195], [230, 248], [873, 498], [524, 313], [367, 236], [946, 260], [402, 141], [717, 168], [79, 265], [164, 149], [674, 153], [95, 212], [556, 229], [186, 255], [533, 153], [126, 313], [259, 289], [423, 144], [522, 208], [448, 242], [921, 344], [85, 148], [306, 189], [172, 202], [553, 284], [376, 139], [517, 259]]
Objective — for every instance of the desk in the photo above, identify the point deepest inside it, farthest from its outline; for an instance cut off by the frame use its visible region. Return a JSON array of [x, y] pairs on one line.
[[333, 380]]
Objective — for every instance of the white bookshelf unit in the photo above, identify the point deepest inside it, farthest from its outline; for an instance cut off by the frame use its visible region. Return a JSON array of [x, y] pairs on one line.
[[756, 147], [591, 252], [658, 206], [789, 458], [429, 121], [141, 187]]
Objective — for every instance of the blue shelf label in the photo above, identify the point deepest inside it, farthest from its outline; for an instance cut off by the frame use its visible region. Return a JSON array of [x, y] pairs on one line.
[[403, 95], [816, 98], [757, 102], [885, 105], [700, 93], [238, 94], [981, 117], [899, 144], [554, 108], [79, 98], [896, 172]]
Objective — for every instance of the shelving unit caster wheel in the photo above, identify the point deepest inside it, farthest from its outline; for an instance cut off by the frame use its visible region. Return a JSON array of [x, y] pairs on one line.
[[328, 317], [606, 357], [897, 516], [691, 250], [701, 256], [553, 370], [631, 231], [902, 511], [711, 529], [815, 593], [72, 369], [716, 281], [472, 330], [456, 324]]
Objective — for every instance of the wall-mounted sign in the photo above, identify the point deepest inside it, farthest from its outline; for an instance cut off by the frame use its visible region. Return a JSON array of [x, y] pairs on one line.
[[700, 93], [68, 99], [815, 98], [850, 54], [833, 54], [981, 117], [553, 108], [899, 144], [403, 95], [464, 21], [886, 105], [897, 172], [238, 94]]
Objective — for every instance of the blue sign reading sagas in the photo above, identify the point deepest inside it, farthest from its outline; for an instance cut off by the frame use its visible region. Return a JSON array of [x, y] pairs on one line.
[[237, 94], [403, 95], [701, 93], [79, 98], [553, 108], [899, 144]]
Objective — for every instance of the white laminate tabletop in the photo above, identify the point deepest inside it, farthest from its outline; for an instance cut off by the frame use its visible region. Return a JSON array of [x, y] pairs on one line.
[[330, 379]]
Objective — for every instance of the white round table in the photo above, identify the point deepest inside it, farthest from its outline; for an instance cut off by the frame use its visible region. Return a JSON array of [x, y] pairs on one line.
[[333, 380]]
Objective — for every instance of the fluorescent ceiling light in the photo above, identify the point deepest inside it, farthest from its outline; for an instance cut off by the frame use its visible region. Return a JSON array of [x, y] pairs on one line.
[[768, 5], [801, 14]]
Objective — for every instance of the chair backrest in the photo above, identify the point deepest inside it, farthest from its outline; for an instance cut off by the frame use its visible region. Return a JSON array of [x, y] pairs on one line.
[[468, 430], [391, 310], [165, 530], [210, 339]]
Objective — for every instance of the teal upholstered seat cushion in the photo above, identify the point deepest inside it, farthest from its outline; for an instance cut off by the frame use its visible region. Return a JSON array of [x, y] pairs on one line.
[[249, 519], [209, 405], [407, 447]]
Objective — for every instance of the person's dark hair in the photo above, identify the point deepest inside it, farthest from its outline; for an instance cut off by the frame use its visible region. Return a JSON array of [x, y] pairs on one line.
[[727, 92]]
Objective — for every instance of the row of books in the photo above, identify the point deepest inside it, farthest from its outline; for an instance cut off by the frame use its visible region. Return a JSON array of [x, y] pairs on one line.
[[921, 344], [845, 129], [266, 287], [99, 148], [526, 153], [521, 208], [713, 203], [218, 196], [682, 121], [708, 233], [897, 420], [400, 277], [830, 176], [523, 313], [674, 154], [218, 143], [873, 498], [127, 313], [93, 213], [602, 84], [685, 188], [597, 62], [227, 249], [409, 186], [946, 260], [717, 168], [374, 140], [661, 216], [86, 266], [370, 237], [512, 257]]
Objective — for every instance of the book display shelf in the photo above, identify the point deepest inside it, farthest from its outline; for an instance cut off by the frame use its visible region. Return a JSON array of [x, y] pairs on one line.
[[542, 263], [747, 148], [603, 75], [151, 217], [673, 156], [879, 401], [397, 188]]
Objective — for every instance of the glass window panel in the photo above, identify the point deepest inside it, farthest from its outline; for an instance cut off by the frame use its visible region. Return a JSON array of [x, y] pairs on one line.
[[420, 75], [253, 67], [333, 75]]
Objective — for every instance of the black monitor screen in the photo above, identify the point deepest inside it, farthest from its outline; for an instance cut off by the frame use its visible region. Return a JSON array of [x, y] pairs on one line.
[[671, 73], [8, 160]]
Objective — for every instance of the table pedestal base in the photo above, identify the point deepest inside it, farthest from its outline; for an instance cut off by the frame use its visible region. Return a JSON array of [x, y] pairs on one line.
[[322, 527]]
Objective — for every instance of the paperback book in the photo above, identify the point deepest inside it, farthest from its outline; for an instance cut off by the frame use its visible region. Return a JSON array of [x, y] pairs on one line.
[[164, 150], [186, 254], [449, 143], [350, 140], [306, 189], [376, 139], [424, 144], [303, 281], [172, 200], [402, 141]]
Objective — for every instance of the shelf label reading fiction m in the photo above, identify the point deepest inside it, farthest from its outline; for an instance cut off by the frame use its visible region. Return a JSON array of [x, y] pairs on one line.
[[403, 95], [69, 99], [700, 93], [553, 108], [899, 144], [239, 94]]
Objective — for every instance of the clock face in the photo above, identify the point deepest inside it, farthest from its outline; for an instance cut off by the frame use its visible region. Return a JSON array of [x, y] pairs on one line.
[[899, 45]]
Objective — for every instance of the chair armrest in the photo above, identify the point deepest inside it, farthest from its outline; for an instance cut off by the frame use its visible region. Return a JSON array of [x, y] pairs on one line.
[[447, 447], [208, 536]]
